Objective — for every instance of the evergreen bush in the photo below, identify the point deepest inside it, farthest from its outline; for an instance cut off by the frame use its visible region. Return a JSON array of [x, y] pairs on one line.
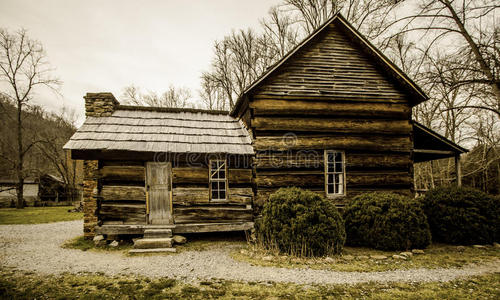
[[300, 222], [386, 221], [460, 215]]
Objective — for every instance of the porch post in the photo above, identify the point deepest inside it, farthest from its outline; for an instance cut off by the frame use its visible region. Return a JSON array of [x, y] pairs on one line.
[[458, 169]]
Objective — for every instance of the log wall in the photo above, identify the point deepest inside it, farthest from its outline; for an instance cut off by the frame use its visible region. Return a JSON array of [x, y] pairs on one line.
[[122, 192], [330, 95], [191, 193]]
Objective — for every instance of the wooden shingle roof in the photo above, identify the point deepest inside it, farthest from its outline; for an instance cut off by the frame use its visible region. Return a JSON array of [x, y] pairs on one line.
[[146, 129]]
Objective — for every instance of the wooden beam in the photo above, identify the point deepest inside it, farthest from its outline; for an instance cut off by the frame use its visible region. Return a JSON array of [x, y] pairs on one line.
[[284, 107], [123, 193], [458, 169], [356, 126], [178, 228], [213, 227], [331, 141], [429, 151], [122, 173], [119, 229]]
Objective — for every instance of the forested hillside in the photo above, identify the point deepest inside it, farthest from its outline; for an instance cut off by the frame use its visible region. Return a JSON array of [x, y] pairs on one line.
[[44, 136]]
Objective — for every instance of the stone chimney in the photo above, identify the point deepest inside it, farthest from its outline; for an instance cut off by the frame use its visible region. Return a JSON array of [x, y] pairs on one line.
[[96, 105], [100, 104]]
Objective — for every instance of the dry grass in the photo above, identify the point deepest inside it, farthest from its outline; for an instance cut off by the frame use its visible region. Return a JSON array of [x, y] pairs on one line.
[[36, 215], [436, 256], [19, 285], [196, 242]]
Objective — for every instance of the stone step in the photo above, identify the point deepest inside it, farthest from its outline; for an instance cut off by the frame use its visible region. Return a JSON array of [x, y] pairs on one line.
[[156, 250], [158, 233], [152, 243]]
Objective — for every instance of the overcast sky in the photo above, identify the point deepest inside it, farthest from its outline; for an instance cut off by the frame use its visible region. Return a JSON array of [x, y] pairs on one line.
[[103, 46]]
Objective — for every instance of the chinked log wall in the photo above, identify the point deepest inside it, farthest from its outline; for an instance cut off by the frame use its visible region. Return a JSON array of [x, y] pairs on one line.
[[191, 197], [123, 195], [330, 95]]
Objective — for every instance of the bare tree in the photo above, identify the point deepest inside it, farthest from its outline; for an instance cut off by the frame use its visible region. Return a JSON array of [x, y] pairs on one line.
[[368, 16], [238, 60], [172, 97], [465, 29], [280, 32], [54, 131], [313, 13], [24, 68], [212, 96]]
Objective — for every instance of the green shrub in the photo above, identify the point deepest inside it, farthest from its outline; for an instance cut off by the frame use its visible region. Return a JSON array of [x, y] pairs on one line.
[[459, 215], [386, 221], [301, 222]]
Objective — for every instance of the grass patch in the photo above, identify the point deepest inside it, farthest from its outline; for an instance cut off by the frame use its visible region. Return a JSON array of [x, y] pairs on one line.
[[36, 215], [83, 244], [18, 285], [196, 242], [436, 256], [205, 241]]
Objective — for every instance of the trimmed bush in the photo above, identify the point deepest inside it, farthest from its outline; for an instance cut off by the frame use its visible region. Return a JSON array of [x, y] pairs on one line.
[[459, 215], [386, 221], [302, 223]]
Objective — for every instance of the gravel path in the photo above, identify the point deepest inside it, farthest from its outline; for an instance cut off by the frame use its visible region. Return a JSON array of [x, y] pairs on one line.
[[37, 248]]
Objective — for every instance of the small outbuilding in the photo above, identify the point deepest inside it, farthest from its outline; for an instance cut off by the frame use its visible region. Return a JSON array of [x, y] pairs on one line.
[[185, 169], [8, 193]]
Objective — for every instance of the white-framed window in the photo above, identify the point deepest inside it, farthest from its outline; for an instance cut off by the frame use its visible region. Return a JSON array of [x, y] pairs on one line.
[[334, 173], [218, 182]]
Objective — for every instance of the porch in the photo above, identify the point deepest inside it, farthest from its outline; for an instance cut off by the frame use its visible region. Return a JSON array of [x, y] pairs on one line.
[[138, 229], [430, 145]]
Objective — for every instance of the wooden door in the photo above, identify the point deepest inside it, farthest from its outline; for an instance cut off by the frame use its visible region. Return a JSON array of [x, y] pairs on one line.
[[159, 188]]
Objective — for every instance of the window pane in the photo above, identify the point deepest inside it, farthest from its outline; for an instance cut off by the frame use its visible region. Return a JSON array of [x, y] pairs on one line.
[[338, 167], [222, 195], [214, 186], [330, 178], [340, 188], [222, 173], [331, 167], [214, 194], [329, 156], [338, 156], [330, 189]]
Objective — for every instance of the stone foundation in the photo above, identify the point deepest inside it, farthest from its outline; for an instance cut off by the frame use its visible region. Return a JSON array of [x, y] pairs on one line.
[[90, 186]]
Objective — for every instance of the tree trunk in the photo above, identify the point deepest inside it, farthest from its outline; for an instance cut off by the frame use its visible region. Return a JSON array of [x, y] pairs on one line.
[[20, 158]]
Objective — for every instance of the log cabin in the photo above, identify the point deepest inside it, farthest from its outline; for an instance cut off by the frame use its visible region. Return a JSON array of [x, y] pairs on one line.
[[332, 116]]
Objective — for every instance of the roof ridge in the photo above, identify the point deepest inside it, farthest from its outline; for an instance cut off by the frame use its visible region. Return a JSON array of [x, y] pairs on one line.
[[171, 109]]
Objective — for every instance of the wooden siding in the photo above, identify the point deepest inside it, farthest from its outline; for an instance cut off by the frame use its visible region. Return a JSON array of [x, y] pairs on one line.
[[191, 194], [330, 95], [122, 192]]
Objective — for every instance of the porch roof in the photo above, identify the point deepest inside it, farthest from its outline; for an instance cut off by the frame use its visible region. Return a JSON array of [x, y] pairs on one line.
[[430, 145]]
